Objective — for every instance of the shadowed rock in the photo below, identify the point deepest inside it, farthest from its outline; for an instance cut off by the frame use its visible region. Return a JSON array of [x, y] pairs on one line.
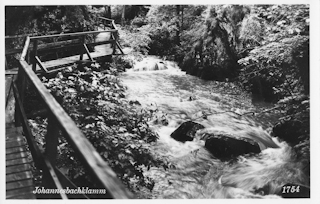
[[227, 147], [291, 131], [186, 131]]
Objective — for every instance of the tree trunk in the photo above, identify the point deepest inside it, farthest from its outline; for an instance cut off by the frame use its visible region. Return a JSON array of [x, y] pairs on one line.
[[178, 25], [123, 16], [107, 11]]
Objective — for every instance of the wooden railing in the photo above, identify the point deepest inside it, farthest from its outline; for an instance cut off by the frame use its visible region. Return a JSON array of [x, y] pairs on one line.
[[78, 42], [58, 120], [114, 36]]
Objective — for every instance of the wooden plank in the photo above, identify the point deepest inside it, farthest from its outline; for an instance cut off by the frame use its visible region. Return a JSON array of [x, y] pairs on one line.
[[18, 143], [25, 48], [119, 47], [19, 191], [17, 161], [100, 43], [105, 176], [59, 49], [50, 179], [52, 139], [16, 155], [15, 149], [22, 83], [59, 44], [15, 138], [18, 168], [87, 51], [19, 176], [81, 53], [72, 34], [10, 109], [19, 184], [40, 64], [107, 19], [44, 47], [35, 50], [14, 129], [8, 86], [74, 59], [6, 64], [11, 72], [34, 34], [65, 182]]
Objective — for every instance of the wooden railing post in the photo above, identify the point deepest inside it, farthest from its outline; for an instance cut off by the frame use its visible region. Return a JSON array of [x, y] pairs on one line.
[[35, 50], [115, 37], [82, 41], [52, 139], [6, 64], [21, 82]]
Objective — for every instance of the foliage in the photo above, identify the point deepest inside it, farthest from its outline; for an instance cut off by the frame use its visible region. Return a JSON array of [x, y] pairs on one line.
[[41, 19], [131, 12], [118, 129], [276, 56], [136, 38]]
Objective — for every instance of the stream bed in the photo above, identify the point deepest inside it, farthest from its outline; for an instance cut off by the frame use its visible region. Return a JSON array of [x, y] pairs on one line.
[[220, 107]]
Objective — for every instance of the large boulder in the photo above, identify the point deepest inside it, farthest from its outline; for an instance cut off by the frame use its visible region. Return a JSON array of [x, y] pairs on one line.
[[186, 131], [224, 146], [291, 131], [150, 65], [161, 65]]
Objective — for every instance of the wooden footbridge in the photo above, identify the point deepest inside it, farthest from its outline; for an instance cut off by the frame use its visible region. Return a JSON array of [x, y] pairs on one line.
[[23, 155]]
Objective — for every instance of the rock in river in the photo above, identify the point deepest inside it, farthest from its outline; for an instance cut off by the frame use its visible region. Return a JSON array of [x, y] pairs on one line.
[[224, 146], [186, 131]]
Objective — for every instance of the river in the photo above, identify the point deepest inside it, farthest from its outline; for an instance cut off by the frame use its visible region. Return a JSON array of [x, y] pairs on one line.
[[220, 107]]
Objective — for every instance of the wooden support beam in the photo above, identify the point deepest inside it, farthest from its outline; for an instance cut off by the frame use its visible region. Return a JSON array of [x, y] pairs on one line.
[[25, 48], [47, 46], [6, 64], [82, 51], [50, 180], [65, 182], [119, 47], [87, 51], [35, 50], [41, 65], [73, 34], [52, 139], [21, 86]]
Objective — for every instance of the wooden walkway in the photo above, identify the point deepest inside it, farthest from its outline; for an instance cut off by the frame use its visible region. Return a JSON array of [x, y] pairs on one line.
[[99, 51], [19, 177], [19, 163]]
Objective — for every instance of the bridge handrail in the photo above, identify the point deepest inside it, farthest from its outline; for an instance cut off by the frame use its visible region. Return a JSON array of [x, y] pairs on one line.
[[74, 34], [115, 36], [59, 119]]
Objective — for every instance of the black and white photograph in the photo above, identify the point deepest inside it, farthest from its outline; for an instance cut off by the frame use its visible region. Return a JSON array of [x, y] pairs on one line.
[[196, 100]]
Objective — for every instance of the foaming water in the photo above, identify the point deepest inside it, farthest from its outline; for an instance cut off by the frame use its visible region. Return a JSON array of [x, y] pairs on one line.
[[195, 173]]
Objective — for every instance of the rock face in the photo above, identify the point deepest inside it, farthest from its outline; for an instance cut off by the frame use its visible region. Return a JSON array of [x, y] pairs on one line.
[[291, 131], [226, 147], [186, 131]]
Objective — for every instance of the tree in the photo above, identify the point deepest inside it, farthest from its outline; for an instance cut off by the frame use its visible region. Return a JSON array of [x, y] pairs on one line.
[[107, 11], [123, 15], [281, 57]]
